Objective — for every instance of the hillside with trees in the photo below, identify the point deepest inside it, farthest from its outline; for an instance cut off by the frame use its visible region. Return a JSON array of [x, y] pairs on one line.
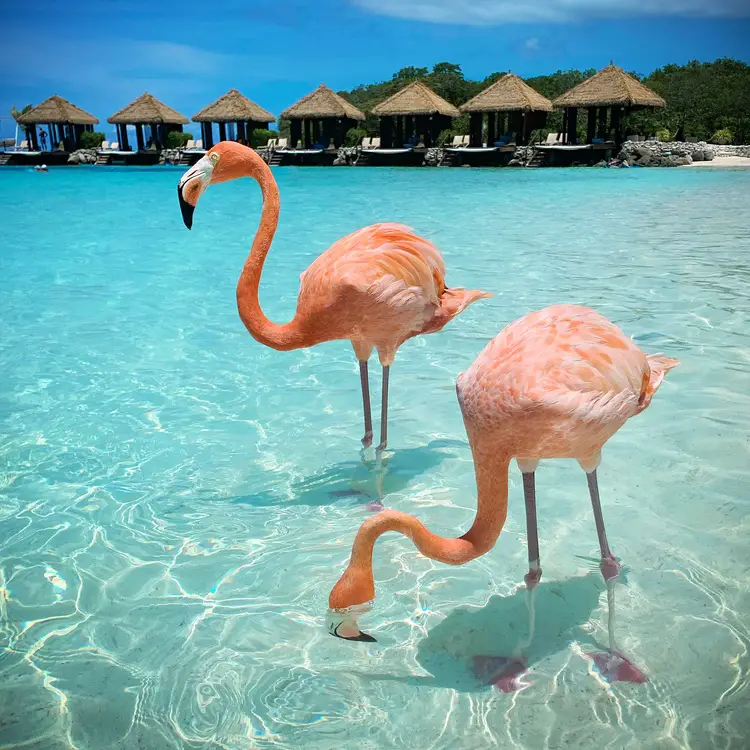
[[702, 98]]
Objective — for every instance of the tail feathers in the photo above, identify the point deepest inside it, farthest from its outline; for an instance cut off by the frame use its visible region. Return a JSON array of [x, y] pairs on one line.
[[659, 365], [452, 302]]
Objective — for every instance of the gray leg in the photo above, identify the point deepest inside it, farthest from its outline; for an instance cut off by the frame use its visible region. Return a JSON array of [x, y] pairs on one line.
[[384, 411], [529, 494], [365, 380], [609, 565]]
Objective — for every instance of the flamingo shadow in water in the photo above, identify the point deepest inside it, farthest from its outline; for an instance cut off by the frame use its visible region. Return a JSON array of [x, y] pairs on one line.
[[461, 652], [362, 482]]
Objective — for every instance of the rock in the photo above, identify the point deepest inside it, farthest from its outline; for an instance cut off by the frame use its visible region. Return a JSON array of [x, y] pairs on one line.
[[601, 163], [73, 159], [708, 156], [515, 163]]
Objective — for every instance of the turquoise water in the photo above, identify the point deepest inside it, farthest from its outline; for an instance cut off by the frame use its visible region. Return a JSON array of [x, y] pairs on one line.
[[176, 501]]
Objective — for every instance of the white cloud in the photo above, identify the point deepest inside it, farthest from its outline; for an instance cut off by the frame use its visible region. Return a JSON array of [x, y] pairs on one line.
[[532, 44], [496, 12]]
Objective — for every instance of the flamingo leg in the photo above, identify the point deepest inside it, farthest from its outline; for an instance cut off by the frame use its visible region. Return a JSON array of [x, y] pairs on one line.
[[614, 665], [609, 565], [365, 381], [384, 411]]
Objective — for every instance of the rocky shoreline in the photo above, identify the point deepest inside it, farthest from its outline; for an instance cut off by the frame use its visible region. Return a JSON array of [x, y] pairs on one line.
[[675, 153]]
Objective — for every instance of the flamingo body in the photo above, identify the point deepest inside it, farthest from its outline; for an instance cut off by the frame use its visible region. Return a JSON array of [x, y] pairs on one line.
[[557, 383]]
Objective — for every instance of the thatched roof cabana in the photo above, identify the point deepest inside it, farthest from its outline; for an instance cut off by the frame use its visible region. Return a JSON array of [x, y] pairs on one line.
[[611, 88], [415, 112], [509, 94], [233, 107], [324, 116], [147, 110], [64, 121]]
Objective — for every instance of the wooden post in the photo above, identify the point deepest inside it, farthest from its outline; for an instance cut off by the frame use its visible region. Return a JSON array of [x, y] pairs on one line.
[[307, 141], [222, 131], [295, 132], [139, 136], [602, 129], [386, 132], [615, 124], [124, 143], [240, 131], [400, 140], [33, 142], [475, 129], [591, 125], [491, 134], [565, 126], [573, 125]]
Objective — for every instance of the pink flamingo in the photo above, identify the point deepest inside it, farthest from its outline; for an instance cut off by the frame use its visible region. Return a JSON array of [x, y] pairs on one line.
[[376, 287], [558, 383]]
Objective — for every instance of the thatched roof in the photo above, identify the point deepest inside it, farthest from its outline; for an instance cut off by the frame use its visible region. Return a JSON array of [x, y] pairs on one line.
[[322, 103], [147, 109], [508, 94], [416, 98], [233, 107], [56, 109], [610, 86]]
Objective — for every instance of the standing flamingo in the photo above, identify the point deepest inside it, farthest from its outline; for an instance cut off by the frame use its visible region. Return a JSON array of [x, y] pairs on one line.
[[376, 287], [558, 383]]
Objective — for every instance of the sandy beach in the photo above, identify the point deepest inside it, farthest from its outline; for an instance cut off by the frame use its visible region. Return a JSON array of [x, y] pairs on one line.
[[723, 161]]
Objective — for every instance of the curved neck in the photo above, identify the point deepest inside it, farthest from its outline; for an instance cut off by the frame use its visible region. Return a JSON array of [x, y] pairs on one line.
[[356, 585], [282, 337]]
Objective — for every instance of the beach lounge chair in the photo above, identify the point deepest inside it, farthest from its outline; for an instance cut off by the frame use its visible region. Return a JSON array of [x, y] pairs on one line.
[[457, 142], [375, 142], [465, 141], [190, 144], [114, 146], [552, 139], [365, 143], [23, 146], [281, 143], [199, 144], [270, 144], [104, 146]]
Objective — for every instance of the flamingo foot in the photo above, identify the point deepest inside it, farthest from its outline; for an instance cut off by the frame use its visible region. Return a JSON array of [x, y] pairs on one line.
[[504, 673], [342, 623], [367, 439], [614, 666]]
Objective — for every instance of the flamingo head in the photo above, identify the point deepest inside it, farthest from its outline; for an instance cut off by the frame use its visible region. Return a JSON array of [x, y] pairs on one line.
[[223, 162]]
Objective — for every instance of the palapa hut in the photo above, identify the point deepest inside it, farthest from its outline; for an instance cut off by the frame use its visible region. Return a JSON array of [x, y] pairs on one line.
[[320, 118], [414, 113], [235, 108], [65, 123], [157, 116], [511, 106], [611, 91]]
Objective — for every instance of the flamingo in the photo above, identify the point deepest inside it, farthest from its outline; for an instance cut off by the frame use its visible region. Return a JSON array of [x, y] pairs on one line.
[[557, 383], [376, 287]]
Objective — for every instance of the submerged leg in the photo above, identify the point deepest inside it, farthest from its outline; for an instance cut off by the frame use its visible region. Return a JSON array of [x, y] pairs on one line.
[[505, 672], [384, 411], [613, 665], [365, 381]]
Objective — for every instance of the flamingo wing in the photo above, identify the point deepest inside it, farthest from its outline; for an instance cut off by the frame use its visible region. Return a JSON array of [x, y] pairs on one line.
[[389, 262]]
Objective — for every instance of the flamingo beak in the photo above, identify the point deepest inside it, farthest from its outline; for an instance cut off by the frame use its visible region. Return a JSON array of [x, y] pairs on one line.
[[192, 185]]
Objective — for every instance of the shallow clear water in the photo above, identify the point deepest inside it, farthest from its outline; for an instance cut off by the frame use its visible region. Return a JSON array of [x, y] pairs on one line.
[[176, 500]]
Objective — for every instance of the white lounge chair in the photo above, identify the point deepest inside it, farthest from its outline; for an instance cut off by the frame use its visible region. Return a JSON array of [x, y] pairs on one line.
[[365, 143], [199, 144], [104, 146], [23, 146], [374, 142], [190, 144], [114, 146], [282, 143], [552, 139], [457, 142], [466, 141]]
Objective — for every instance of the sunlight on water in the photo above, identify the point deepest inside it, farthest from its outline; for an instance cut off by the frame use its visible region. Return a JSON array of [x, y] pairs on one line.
[[176, 500]]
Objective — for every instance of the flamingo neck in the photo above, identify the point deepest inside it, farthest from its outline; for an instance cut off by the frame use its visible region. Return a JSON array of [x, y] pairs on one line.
[[282, 337], [356, 585]]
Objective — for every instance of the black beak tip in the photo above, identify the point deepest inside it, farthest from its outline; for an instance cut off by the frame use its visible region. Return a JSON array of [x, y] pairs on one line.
[[361, 638], [186, 208]]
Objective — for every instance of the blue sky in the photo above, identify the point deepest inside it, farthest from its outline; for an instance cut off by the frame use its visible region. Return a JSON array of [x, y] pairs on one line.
[[103, 55]]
